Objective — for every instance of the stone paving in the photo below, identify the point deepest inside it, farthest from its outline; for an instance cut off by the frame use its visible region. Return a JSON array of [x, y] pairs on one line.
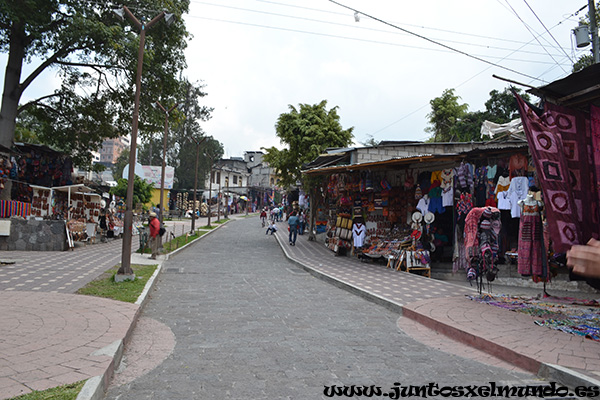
[[250, 324], [51, 339], [443, 307], [283, 324]]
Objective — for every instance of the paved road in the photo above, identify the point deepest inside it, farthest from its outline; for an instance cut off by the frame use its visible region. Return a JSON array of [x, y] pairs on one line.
[[247, 323]]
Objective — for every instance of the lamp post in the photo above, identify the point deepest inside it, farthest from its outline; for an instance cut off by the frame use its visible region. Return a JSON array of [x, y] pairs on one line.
[[125, 271], [164, 158], [198, 143], [211, 157]]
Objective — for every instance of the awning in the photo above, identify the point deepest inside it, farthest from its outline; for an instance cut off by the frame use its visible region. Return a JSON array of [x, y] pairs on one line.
[[576, 90]]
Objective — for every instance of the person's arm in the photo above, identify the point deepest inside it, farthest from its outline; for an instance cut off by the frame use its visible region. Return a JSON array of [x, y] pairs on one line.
[[585, 259]]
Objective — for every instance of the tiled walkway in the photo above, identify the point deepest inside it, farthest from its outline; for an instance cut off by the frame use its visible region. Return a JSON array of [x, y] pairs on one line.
[[442, 306]]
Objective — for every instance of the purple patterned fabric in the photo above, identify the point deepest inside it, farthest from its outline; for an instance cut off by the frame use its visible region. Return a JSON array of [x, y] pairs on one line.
[[595, 123], [546, 147], [575, 132]]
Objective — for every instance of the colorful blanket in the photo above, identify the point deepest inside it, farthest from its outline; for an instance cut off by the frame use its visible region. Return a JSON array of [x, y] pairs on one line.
[[566, 314]]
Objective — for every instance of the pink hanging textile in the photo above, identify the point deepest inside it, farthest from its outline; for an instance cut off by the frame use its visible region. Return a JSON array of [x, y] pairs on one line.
[[595, 153], [575, 132], [530, 241], [546, 147]]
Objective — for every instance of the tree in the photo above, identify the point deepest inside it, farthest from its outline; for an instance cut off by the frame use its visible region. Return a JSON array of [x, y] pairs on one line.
[[370, 142], [96, 56], [306, 131], [142, 190], [445, 112], [458, 125], [120, 164], [587, 59]]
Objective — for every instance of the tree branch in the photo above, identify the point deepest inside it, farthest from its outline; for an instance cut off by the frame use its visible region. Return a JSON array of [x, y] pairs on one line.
[[37, 101], [49, 61], [74, 64]]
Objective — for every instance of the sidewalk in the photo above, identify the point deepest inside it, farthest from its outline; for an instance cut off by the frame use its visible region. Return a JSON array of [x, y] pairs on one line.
[[50, 336], [443, 307]]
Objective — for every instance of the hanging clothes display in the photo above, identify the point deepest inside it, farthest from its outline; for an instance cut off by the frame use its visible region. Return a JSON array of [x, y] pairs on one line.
[[358, 233], [530, 240], [519, 186]]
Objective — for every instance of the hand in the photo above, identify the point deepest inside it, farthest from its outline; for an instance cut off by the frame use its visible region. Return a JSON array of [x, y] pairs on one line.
[[585, 259]]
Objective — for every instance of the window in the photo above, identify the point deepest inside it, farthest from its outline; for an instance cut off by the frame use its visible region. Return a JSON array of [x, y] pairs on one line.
[[235, 179], [218, 178]]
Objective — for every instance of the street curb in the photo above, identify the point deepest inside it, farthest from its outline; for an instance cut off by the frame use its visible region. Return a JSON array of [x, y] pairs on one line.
[[554, 372], [95, 388], [365, 294], [167, 256]]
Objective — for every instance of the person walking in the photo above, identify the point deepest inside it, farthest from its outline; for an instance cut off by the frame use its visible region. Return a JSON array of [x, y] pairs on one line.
[[154, 234], [301, 222], [263, 217], [293, 222]]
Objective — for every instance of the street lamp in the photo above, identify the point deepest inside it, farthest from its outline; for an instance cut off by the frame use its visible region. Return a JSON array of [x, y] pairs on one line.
[[125, 271], [211, 157], [198, 143], [164, 157]]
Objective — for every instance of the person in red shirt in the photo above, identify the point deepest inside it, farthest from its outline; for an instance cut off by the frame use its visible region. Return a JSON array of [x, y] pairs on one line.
[[154, 236]]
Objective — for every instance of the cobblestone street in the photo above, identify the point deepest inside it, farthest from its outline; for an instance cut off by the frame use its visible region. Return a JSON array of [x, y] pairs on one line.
[[249, 324]]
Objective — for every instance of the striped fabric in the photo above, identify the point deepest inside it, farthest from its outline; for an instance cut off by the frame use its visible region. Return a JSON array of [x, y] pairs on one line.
[[8, 208]]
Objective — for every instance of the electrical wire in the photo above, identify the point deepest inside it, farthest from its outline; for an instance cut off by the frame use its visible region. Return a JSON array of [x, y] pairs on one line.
[[436, 43], [532, 33], [549, 33], [471, 78], [354, 26], [406, 24], [370, 29], [355, 39]]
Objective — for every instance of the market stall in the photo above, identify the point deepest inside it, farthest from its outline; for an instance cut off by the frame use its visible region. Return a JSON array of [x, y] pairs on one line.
[[414, 209]]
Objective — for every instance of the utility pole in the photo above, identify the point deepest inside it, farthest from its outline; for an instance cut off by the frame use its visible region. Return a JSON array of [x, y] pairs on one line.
[[198, 143], [594, 29]]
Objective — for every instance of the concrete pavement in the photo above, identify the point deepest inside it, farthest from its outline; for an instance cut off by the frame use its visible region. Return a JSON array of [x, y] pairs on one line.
[[250, 324], [50, 336], [443, 307], [54, 337]]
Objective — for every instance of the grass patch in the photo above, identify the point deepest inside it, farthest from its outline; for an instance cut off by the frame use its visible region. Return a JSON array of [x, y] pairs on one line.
[[207, 227], [222, 221], [128, 291], [66, 392], [180, 241]]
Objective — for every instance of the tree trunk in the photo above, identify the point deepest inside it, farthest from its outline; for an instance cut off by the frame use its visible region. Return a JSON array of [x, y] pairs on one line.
[[11, 95], [312, 232], [12, 91]]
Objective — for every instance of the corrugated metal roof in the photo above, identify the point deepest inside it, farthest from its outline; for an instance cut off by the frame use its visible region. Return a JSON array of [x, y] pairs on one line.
[[576, 90]]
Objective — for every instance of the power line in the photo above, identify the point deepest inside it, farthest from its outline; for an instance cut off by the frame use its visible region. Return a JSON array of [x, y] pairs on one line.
[[532, 33], [435, 42], [406, 24], [352, 38], [549, 33], [370, 29]]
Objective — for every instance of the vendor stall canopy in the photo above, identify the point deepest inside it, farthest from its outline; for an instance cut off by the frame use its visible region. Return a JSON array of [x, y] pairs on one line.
[[576, 90]]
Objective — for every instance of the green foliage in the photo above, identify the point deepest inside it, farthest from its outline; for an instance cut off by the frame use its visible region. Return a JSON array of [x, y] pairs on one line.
[[445, 112], [184, 127], [451, 122], [587, 59], [65, 392], [370, 142], [120, 164], [142, 191], [583, 62], [306, 131], [95, 54]]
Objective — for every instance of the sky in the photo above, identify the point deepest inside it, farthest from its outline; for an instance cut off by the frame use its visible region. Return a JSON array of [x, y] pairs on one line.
[[258, 57]]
